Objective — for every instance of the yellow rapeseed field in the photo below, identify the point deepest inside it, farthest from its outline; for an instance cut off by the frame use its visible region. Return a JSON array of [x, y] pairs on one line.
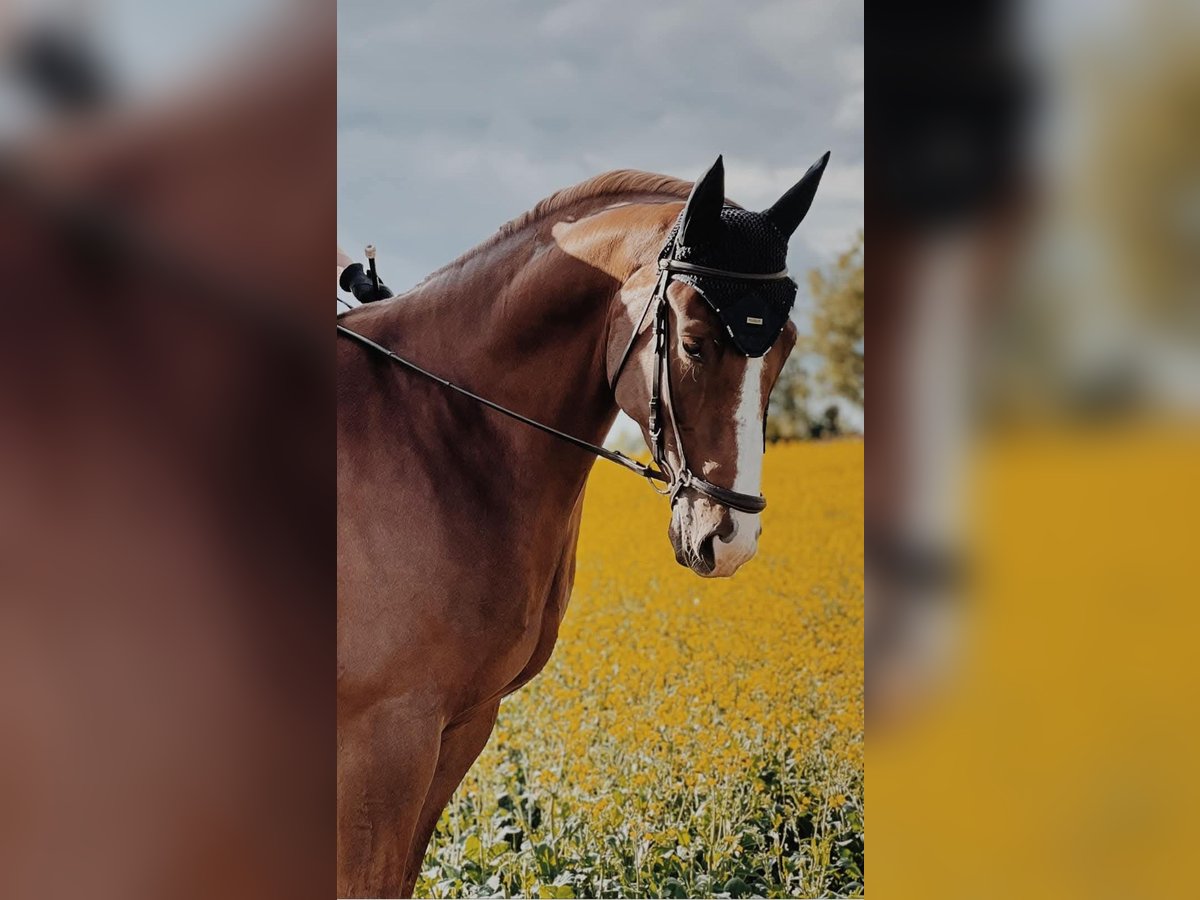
[[689, 737]]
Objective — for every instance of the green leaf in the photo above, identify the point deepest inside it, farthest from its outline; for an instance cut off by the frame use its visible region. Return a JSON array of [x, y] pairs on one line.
[[471, 848], [673, 887], [735, 887]]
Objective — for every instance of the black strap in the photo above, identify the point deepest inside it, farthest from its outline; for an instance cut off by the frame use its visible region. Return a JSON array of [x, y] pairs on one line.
[[604, 453], [747, 503], [661, 360], [687, 268]]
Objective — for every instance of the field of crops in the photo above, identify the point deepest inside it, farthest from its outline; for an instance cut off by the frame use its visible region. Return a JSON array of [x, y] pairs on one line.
[[689, 737]]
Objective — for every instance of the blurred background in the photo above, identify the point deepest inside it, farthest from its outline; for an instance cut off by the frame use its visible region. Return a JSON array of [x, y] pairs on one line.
[[445, 132], [166, 579], [1032, 475]]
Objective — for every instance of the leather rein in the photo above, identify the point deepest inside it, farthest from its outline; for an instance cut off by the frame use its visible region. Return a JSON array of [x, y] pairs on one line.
[[675, 479]]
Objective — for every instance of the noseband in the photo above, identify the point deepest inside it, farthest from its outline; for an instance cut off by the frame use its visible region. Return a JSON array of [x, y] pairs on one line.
[[675, 479]]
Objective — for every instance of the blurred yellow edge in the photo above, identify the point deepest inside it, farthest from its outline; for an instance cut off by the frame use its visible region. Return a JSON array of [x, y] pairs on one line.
[[1062, 760]]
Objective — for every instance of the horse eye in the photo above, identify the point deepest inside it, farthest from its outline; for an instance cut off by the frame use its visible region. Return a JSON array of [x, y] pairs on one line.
[[692, 347]]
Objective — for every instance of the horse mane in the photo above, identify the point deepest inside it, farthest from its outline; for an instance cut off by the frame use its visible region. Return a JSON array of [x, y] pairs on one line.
[[609, 185], [606, 186]]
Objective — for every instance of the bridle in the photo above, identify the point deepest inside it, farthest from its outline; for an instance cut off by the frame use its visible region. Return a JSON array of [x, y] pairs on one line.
[[675, 478], [660, 383]]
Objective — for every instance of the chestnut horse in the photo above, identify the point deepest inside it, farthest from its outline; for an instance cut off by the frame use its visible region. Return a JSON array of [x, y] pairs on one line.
[[457, 527]]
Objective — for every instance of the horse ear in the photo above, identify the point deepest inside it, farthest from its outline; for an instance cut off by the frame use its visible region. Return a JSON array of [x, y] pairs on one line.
[[789, 211], [703, 210]]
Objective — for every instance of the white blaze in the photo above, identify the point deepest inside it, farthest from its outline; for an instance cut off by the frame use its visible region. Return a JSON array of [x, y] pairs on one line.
[[747, 426]]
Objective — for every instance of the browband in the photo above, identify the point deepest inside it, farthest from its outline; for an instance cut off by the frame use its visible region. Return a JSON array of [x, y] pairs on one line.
[[686, 268]]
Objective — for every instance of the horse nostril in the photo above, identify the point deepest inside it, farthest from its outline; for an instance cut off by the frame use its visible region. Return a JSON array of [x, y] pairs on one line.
[[708, 554], [728, 529]]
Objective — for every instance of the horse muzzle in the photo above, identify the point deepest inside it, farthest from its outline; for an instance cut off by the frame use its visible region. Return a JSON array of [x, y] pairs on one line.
[[710, 539]]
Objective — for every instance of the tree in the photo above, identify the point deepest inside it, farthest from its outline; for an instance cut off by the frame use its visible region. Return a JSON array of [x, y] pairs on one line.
[[828, 426], [787, 418], [839, 330]]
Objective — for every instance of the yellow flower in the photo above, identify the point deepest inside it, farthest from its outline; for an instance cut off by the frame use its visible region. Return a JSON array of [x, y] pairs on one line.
[[707, 716]]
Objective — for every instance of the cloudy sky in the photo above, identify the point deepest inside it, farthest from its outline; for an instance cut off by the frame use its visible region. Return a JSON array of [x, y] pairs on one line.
[[454, 117]]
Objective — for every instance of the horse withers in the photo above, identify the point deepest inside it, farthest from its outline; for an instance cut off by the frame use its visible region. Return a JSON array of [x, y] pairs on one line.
[[457, 527]]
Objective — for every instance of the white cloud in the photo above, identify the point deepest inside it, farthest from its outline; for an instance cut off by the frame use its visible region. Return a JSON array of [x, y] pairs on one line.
[[851, 113], [453, 118]]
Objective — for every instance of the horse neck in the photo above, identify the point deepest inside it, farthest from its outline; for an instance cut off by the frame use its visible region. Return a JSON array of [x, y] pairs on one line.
[[525, 323]]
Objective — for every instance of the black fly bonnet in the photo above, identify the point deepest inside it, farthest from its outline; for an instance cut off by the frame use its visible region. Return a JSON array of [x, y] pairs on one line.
[[742, 275]]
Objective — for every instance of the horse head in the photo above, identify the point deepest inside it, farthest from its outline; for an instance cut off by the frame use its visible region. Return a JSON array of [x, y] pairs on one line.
[[720, 339]]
